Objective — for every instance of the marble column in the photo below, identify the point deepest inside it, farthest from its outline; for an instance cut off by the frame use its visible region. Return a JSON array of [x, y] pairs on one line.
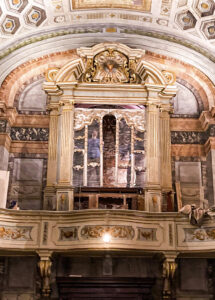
[[153, 188], [66, 144], [53, 142], [50, 191], [153, 155]]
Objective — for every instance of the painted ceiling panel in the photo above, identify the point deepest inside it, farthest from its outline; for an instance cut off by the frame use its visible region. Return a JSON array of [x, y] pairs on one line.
[[191, 20]]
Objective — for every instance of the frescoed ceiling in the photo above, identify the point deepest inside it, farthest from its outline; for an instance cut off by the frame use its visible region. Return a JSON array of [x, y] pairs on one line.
[[183, 29], [193, 20]]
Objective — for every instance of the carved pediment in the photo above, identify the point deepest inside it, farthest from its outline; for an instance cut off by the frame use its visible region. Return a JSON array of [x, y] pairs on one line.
[[109, 63], [110, 66]]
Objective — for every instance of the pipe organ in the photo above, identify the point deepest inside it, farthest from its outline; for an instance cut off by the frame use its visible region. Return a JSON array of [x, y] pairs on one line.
[[109, 131]]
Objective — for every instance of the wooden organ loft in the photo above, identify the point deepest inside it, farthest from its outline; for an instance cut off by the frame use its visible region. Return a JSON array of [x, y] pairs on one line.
[[109, 144]]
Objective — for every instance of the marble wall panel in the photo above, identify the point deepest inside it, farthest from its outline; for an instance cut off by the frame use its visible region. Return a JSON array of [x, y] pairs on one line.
[[28, 169], [29, 134], [24, 266], [4, 156], [210, 173], [33, 98], [4, 180], [188, 172], [185, 101], [193, 274], [190, 178], [26, 184]]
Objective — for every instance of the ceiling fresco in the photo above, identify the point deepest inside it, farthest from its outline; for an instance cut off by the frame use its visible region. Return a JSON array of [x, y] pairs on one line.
[[187, 20], [142, 5]]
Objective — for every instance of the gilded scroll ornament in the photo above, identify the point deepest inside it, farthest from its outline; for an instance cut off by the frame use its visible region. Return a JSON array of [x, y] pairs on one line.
[[169, 76], [199, 235], [15, 233], [111, 67], [117, 232], [51, 74], [134, 117]]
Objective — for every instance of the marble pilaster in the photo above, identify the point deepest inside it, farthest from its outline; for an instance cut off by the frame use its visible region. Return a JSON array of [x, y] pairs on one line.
[[165, 144], [66, 144]]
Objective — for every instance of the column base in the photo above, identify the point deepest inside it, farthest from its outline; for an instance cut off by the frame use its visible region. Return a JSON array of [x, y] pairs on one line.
[[65, 198], [153, 200], [49, 202]]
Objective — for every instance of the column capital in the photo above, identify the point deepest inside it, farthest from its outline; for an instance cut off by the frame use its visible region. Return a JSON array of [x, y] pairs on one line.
[[66, 103], [166, 108], [53, 106], [44, 254], [52, 89]]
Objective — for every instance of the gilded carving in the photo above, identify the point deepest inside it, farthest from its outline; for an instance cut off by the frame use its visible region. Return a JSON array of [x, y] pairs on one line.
[[146, 234], [45, 272], [169, 76], [51, 74], [117, 232], [19, 233], [68, 233], [110, 66], [134, 117], [197, 235]]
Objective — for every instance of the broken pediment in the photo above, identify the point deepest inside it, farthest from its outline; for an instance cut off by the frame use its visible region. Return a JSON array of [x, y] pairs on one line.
[[109, 63]]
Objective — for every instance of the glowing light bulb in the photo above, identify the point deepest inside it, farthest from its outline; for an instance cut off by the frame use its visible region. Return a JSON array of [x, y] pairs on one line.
[[106, 237]]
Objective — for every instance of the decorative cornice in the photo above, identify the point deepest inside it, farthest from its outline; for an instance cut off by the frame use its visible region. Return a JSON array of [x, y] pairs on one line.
[[84, 30]]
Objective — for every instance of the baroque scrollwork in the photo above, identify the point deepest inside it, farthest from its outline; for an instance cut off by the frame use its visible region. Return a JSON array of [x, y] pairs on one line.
[[135, 117], [110, 66], [97, 231], [199, 235], [15, 233]]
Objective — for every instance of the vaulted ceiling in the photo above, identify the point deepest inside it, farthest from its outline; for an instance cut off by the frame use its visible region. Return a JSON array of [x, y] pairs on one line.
[[183, 29], [193, 20]]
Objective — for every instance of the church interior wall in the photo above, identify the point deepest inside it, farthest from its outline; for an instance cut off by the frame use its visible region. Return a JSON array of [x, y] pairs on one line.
[[24, 136]]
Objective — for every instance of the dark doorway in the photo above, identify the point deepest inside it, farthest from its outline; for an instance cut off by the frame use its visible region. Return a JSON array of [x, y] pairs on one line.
[[73, 288]]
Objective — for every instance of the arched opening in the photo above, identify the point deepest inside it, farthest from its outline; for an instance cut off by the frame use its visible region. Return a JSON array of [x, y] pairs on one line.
[[109, 152]]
